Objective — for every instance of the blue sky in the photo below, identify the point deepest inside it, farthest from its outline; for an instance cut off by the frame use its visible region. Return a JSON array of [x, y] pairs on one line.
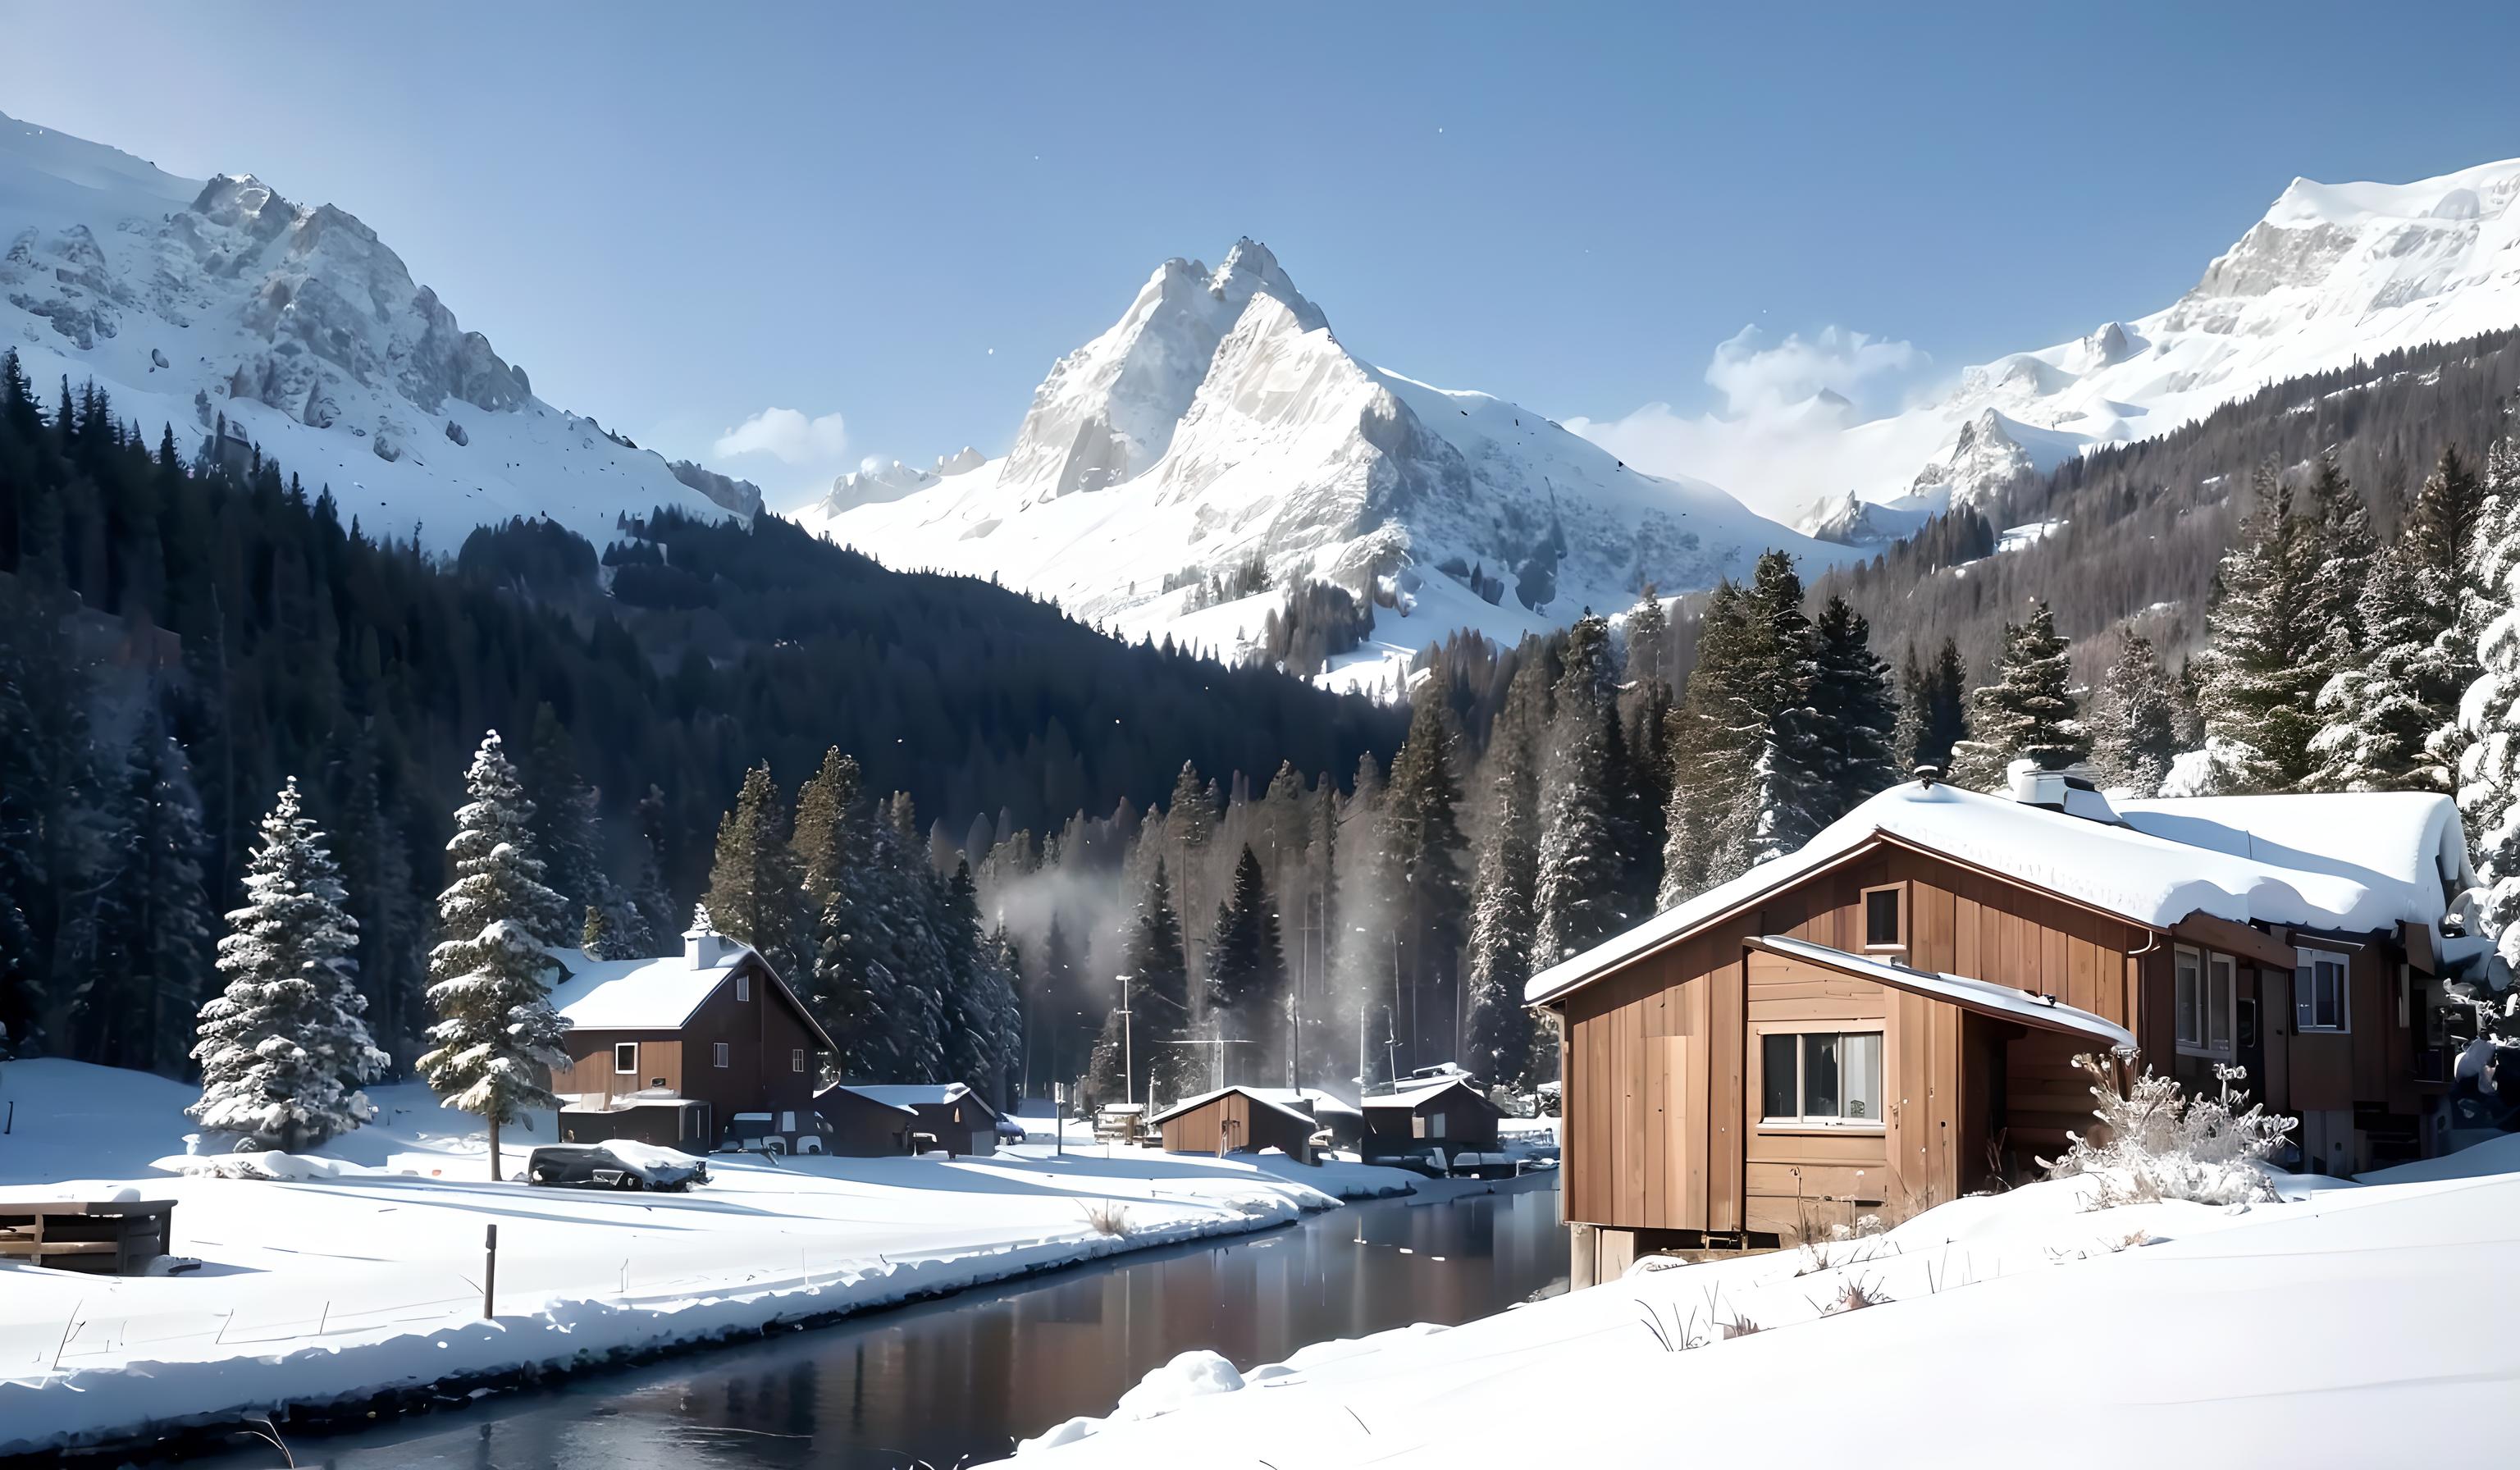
[[678, 216]]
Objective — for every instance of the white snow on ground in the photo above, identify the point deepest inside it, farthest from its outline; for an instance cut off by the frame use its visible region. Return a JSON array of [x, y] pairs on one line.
[[360, 1271], [2323, 1330]]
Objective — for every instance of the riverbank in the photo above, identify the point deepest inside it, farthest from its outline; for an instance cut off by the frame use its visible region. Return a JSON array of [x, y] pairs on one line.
[[2343, 1325], [361, 1278]]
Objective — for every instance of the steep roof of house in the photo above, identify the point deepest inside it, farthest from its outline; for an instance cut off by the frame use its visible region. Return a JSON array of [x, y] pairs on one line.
[[860, 1095], [1426, 1090], [654, 995], [1275, 1099], [1984, 995], [2283, 860]]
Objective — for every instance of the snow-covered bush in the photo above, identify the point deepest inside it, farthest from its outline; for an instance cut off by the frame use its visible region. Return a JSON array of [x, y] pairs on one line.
[[2158, 1142]]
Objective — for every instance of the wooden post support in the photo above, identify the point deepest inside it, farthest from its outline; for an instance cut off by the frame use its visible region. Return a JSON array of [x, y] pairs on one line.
[[489, 1271]]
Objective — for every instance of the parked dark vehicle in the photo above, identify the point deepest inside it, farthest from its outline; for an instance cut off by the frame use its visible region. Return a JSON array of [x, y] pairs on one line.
[[613, 1166]]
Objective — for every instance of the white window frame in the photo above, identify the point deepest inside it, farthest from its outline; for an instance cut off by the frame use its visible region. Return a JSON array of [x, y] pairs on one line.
[[1864, 918], [721, 1055], [2215, 972], [2305, 991], [619, 1049], [1800, 1122], [743, 987], [796, 1060]]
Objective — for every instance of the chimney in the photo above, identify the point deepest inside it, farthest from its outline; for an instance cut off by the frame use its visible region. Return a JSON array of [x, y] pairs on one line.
[[703, 947], [2068, 791]]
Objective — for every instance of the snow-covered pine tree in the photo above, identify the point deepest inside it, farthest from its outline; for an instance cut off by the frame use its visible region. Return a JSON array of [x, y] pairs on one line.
[[1498, 960], [1789, 793], [2376, 722], [1158, 995], [2269, 648], [284, 1046], [2028, 713], [1716, 732], [496, 1040], [1246, 971], [2489, 765], [825, 839], [1576, 884], [754, 891], [2459, 532], [597, 936], [1858, 714], [973, 1006], [2133, 729], [153, 916]]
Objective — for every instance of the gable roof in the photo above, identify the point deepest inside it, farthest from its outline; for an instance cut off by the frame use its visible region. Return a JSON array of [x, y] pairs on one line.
[[858, 1094], [2281, 859], [1275, 1099], [1984, 996], [913, 1095], [657, 995], [1414, 1096]]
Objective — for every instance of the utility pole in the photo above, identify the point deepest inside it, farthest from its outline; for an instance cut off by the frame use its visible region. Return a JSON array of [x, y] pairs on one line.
[[1128, 1045]]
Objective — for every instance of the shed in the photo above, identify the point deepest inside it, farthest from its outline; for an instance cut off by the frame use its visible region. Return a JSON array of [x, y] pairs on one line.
[[959, 1120], [1449, 1114], [1240, 1120], [861, 1127]]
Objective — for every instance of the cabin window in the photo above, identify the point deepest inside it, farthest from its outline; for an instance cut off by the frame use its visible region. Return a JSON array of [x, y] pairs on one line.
[[743, 987], [719, 1053], [1826, 1079], [2203, 1003], [1885, 917], [796, 1060], [625, 1058], [2319, 991]]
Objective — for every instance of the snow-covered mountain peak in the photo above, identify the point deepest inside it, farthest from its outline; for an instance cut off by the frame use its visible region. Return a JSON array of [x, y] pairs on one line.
[[1218, 450], [192, 301]]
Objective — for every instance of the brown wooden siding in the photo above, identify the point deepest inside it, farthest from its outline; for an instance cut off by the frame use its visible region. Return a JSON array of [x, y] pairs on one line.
[[1234, 1124], [762, 1034]]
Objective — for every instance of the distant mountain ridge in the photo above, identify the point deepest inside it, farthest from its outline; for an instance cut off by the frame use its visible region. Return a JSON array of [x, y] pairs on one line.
[[1219, 436], [195, 299], [2332, 273]]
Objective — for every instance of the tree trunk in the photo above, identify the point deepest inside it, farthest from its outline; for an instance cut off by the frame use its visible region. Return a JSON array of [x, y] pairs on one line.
[[494, 1148]]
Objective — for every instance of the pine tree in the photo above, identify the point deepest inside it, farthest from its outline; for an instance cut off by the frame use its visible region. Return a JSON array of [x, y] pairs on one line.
[[1577, 879], [2134, 720], [154, 935], [2376, 722], [755, 893], [2028, 713], [1503, 889], [651, 898], [1716, 733], [824, 835], [1858, 714], [496, 1040], [2270, 648], [2450, 513], [972, 1007], [597, 938], [2489, 765], [1246, 973], [1426, 848], [1158, 998], [283, 1047], [566, 828]]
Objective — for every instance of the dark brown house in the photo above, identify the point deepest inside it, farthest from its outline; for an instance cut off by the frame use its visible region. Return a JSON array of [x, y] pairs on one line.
[[1446, 1113], [955, 1117], [688, 1051], [857, 1126], [1240, 1120], [1887, 1018]]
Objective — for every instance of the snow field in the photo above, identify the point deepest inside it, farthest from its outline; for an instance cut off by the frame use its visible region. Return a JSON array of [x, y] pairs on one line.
[[1998, 1330], [358, 1272]]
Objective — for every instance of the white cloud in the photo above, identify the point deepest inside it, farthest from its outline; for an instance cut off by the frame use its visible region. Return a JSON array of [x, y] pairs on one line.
[[788, 436], [1800, 419]]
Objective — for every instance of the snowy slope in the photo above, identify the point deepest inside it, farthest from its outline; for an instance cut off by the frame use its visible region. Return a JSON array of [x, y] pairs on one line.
[[1220, 421], [2333, 273], [189, 299]]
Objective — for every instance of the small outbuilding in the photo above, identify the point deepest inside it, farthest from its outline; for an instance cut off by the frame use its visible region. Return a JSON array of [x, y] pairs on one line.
[[1447, 1113], [1240, 1120], [859, 1127], [958, 1119]]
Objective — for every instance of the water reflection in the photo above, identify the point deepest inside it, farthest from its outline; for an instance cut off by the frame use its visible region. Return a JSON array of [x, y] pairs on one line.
[[963, 1378]]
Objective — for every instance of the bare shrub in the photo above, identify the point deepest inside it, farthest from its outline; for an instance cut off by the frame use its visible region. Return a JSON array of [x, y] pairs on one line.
[[1108, 1216], [2157, 1143]]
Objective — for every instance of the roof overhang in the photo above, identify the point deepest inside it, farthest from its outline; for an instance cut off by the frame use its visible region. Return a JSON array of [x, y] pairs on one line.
[[1980, 996]]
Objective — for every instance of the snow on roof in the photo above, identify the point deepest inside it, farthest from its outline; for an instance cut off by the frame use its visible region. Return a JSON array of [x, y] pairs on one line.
[[917, 1093], [1275, 1099], [2355, 861], [635, 995], [860, 1094], [1977, 994], [1417, 1091]]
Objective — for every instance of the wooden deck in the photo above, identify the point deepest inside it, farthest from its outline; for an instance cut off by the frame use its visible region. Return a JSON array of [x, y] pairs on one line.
[[103, 1238]]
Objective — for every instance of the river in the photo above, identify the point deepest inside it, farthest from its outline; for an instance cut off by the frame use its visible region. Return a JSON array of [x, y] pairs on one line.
[[963, 1378]]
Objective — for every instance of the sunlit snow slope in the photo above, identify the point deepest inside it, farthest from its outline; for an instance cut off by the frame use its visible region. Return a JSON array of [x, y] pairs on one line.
[[1221, 422], [189, 299], [2333, 273]]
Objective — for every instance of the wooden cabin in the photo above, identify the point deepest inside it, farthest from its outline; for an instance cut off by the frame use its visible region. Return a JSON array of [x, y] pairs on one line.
[[956, 1118], [1888, 1017], [1240, 1120], [1447, 1113], [671, 1050], [857, 1126]]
